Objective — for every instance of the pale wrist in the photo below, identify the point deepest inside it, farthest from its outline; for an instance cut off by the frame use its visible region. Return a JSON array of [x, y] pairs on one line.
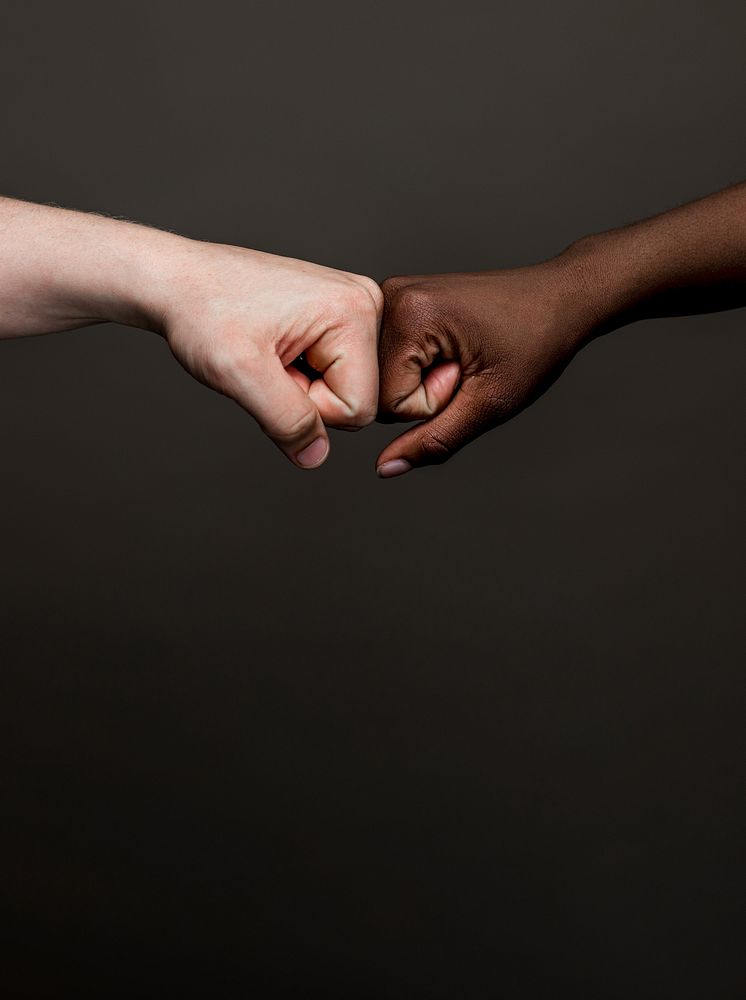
[[71, 269], [127, 274]]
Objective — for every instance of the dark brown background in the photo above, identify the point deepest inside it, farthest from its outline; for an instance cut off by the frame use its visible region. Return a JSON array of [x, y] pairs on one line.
[[474, 733]]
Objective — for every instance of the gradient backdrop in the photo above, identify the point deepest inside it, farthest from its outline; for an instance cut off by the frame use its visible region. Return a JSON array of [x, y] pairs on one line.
[[474, 733]]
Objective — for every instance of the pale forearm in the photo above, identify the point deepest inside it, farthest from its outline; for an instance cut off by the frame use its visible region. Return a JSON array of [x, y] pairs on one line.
[[61, 269]]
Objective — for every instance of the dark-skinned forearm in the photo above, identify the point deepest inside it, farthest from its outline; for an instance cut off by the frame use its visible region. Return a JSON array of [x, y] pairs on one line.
[[689, 260]]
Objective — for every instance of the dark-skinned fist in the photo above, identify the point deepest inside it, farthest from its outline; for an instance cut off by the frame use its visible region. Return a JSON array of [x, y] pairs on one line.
[[465, 352]]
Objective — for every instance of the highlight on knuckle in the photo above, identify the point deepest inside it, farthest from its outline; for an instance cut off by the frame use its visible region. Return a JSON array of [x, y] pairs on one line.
[[359, 300], [390, 286], [366, 415], [373, 291], [355, 420], [414, 304]]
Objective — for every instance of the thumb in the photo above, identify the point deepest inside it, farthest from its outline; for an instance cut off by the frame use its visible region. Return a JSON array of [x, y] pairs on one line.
[[284, 411], [434, 441]]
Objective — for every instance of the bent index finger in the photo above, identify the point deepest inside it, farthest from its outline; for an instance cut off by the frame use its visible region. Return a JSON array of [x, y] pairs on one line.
[[282, 409], [433, 391], [347, 394], [412, 386]]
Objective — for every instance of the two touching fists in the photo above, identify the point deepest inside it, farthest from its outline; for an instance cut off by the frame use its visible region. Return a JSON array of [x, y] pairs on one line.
[[298, 346], [460, 353]]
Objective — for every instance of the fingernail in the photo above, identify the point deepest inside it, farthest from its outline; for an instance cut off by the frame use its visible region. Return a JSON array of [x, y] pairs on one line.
[[313, 454], [396, 467]]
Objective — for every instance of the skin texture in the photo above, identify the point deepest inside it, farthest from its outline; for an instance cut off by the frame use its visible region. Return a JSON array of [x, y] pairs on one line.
[[236, 319], [466, 352]]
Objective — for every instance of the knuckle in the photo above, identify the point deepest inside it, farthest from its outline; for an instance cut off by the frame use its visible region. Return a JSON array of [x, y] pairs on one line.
[[390, 286], [435, 445], [352, 305], [497, 398], [360, 296], [366, 415], [391, 396], [373, 290], [399, 405], [217, 365], [225, 358], [357, 298], [403, 404], [296, 427], [359, 416], [412, 303], [388, 406]]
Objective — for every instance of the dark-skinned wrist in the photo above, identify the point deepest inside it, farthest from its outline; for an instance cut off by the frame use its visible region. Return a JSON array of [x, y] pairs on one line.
[[610, 277]]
